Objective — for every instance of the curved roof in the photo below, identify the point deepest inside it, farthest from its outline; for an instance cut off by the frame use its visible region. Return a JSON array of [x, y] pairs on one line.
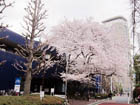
[[114, 18], [12, 36]]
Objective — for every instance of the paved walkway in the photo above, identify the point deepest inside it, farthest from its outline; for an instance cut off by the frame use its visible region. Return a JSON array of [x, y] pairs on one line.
[[121, 99], [114, 104], [117, 100], [81, 102]]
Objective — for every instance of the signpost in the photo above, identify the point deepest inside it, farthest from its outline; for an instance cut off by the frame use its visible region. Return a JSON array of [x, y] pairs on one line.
[[17, 85], [41, 95], [98, 81], [52, 91]]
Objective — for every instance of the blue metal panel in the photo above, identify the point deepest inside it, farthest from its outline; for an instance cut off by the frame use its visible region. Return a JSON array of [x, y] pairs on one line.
[[18, 81], [12, 36], [8, 71], [98, 81]]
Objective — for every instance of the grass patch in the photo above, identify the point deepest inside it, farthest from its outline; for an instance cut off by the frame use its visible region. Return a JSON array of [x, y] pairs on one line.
[[30, 100]]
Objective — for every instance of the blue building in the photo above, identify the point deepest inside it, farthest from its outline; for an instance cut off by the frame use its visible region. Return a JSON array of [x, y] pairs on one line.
[[8, 73]]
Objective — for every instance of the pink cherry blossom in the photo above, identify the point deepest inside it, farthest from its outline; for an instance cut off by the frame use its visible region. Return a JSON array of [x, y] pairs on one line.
[[92, 47]]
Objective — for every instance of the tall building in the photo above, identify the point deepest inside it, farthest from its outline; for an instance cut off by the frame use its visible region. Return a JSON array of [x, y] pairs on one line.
[[119, 34]]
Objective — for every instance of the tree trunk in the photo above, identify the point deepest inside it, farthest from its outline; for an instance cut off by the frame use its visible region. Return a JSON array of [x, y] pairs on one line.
[[27, 83]]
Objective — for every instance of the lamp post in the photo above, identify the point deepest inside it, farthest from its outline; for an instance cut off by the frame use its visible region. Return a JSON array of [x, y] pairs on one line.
[[47, 57], [111, 84], [66, 81]]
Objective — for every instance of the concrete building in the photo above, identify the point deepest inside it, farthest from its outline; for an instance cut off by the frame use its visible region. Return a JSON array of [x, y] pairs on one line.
[[120, 34]]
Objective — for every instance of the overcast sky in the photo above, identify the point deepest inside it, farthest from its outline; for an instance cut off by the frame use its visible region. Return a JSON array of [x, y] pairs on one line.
[[59, 9]]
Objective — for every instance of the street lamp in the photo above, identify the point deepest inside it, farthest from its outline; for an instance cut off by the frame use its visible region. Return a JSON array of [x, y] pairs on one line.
[[111, 86], [47, 57], [66, 82]]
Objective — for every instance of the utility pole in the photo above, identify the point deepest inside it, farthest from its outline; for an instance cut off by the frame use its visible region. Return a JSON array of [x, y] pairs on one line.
[[133, 43]]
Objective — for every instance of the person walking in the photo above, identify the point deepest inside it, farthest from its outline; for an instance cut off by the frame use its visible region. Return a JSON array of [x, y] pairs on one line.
[[110, 95], [128, 94]]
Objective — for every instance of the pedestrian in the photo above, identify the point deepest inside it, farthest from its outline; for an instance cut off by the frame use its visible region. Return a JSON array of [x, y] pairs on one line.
[[110, 95], [128, 94]]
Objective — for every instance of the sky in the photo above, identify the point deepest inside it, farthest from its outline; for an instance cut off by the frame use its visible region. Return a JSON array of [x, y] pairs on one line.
[[58, 10]]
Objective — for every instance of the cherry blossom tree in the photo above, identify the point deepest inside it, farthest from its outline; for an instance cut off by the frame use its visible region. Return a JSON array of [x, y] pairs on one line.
[[84, 44], [91, 48]]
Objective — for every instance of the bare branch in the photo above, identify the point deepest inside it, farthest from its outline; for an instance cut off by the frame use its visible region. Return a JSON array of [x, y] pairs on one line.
[[19, 66], [2, 62], [4, 5]]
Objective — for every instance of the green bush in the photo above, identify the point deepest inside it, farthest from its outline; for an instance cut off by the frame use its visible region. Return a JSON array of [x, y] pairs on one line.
[[30, 100], [137, 85], [101, 96]]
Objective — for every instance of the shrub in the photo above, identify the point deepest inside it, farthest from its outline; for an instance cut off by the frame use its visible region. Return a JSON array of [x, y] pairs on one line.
[[101, 96], [30, 100]]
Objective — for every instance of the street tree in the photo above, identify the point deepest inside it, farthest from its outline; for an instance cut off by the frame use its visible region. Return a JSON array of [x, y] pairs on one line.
[[33, 52], [83, 42], [135, 23], [3, 6], [137, 68], [91, 48], [135, 32]]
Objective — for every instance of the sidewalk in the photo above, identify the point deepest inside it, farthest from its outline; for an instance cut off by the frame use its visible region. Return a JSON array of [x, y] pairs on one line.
[[106, 102], [90, 102], [114, 104], [81, 102], [98, 102], [117, 100]]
